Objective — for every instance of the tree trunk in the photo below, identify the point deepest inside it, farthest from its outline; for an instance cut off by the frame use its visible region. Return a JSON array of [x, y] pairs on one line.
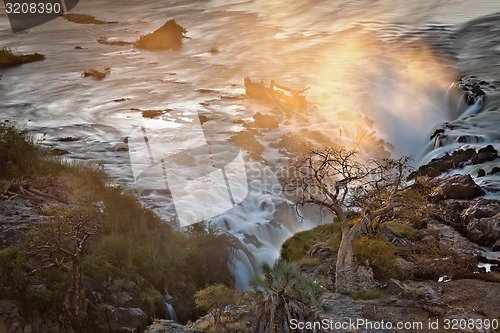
[[349, 276], [75, 301]]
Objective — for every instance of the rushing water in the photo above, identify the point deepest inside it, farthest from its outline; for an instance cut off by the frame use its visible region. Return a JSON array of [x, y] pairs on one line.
[[391, 61]]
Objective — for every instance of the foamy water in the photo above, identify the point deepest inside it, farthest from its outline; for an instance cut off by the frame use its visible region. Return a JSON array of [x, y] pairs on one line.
[[378, 74]]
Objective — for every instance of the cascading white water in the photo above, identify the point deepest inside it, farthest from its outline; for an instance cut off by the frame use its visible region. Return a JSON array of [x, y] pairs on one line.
[[171, 312]]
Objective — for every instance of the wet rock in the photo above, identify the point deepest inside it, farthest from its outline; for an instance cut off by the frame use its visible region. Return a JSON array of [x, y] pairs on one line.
[[494, 171], [9, 58], [265, 121], [481, 173], [252, 239], [106, 41], [68, 139], [247, 141], [445, 163], [58, 152], [496, 246], [96, 74], [488, 153], [152, 113], [203, 119], [84, 19], [168, 36], [461, 187], [436, 133]]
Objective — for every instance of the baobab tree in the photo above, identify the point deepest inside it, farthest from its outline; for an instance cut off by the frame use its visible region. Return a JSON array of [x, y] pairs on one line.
[[60, 243], [336, 180]]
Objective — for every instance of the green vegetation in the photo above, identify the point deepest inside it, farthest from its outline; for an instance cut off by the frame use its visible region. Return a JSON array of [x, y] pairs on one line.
[[9, 58], [298, 246], [21, 155], [310, 262], [131, 248], [369, 294], [215, 298], [283, 294], [401, 230], [380, 255]]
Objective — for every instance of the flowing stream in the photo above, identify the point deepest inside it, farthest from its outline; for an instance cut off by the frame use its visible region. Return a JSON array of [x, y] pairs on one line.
[[378, 72]]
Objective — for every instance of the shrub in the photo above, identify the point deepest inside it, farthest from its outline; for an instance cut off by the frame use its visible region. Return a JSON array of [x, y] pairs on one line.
[[283, 294], [368, 294], [215, 298], [380, 255], [13, 266], [401, 230], [297, 247]]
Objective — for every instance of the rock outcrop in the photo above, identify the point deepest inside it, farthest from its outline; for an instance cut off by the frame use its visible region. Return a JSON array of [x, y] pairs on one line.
[[461, 187], [168, 36]]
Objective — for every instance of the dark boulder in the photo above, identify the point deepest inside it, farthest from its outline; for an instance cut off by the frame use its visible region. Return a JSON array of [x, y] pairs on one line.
[[488, 153], [482, 221], [97, 74], [479, 209], [494, 171], [168, 36], [445, 163], [481, 173], [461, 187], [485, 231]]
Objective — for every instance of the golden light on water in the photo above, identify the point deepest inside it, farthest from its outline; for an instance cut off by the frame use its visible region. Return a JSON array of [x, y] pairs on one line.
[[360, 76]]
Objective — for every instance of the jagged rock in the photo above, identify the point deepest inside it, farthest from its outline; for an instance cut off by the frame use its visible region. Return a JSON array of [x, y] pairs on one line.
[[407, 266], [481, 173], [494, 171], [445, 163], [461, 187], [320, 251], [488, 153], [479, 209], [451, 209], [452, 241], [496, 246], [485, 231], [127, 318], [167, 326], [168, 36]]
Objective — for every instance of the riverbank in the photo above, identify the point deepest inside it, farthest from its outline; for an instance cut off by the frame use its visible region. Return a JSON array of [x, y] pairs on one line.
[[77, 252]]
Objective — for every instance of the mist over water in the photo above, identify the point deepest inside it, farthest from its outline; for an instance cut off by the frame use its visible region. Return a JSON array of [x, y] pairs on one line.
[[378, 72]]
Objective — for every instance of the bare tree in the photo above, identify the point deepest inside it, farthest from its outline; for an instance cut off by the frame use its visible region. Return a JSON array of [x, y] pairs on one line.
[[335, 180], [61, 243]]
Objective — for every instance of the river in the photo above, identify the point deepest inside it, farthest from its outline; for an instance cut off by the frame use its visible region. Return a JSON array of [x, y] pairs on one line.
[[378, 72]]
